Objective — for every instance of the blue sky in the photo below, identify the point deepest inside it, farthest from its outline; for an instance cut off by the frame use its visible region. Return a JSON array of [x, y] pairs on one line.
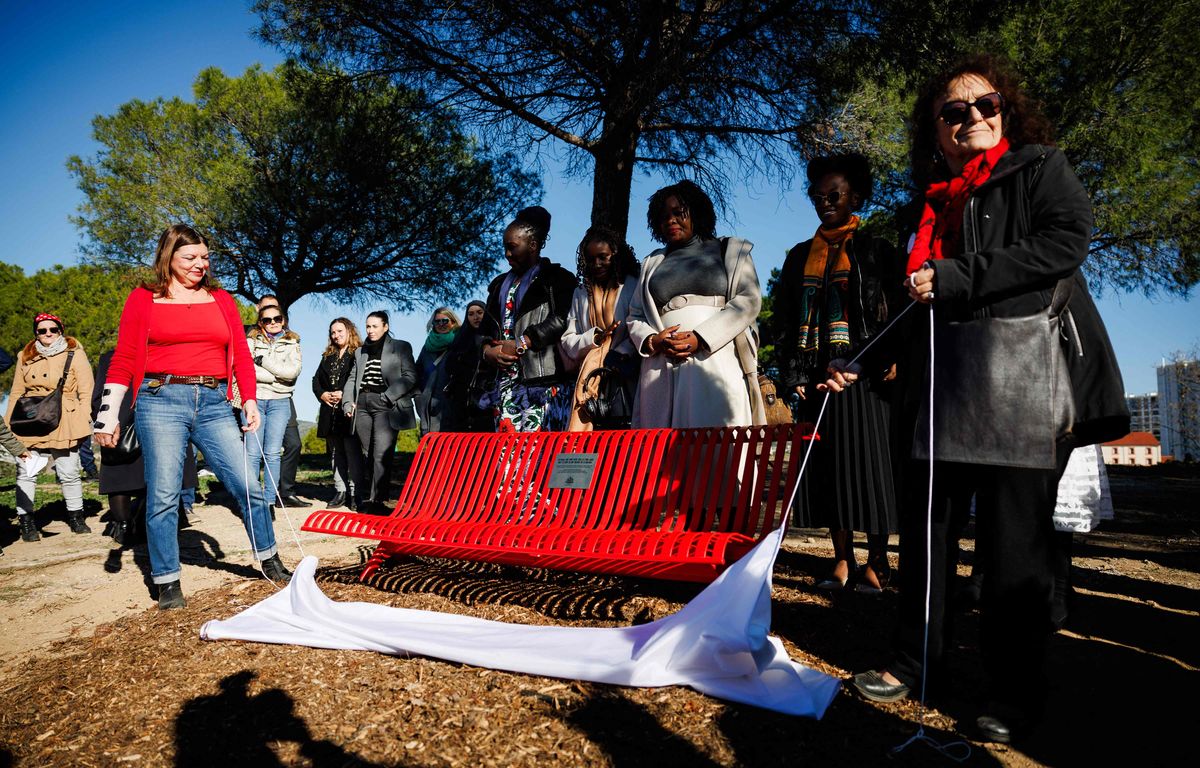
[[65, 62]]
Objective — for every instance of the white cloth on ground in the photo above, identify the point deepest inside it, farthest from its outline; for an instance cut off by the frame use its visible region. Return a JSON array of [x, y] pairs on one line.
[[717, 643]]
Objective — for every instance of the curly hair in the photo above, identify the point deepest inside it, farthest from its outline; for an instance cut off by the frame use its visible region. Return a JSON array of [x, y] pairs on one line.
[[853, 166], [353, 340], [624, 263], [693, 199], [1022, 116]]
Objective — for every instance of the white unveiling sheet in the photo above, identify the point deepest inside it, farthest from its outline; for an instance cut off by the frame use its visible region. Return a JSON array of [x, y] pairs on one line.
[[717, 644]]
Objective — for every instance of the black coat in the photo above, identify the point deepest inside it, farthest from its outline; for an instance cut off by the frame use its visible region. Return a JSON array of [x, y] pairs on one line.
[[1026, 227], [542, 316], [117, 474], [874, 295], [330, 420]]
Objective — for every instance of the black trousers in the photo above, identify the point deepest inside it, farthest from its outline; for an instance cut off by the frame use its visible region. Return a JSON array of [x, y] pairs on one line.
[[1016, 545], [373, 428], [289, 462]]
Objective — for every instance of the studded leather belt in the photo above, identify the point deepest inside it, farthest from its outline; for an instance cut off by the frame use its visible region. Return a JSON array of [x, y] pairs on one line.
[[158, 379]]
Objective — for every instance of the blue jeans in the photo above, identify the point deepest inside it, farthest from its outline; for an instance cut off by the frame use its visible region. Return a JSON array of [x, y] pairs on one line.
[[167, 418], [275, 416]]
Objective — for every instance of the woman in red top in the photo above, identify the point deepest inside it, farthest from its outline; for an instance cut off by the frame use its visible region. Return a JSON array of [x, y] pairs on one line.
[[180, 348]]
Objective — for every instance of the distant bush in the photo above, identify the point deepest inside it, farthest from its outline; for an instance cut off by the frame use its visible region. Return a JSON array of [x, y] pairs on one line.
[[406, 442], [311, 444], [407, 439]]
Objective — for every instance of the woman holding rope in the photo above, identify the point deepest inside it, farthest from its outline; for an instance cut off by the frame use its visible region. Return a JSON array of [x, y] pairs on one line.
[[834, 295], [180, 348], [1004, 229]]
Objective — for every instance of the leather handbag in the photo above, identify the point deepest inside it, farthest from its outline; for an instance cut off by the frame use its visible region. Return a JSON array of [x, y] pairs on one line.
[[777, 411], [128, 448], [1001, 392], [38, 415], [609, 408]]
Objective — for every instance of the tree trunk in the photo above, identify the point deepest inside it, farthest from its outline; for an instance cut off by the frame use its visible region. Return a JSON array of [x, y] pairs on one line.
[[612, 182]]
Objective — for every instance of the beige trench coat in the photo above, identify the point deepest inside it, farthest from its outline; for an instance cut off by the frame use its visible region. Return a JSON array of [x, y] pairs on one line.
[[39, 376]]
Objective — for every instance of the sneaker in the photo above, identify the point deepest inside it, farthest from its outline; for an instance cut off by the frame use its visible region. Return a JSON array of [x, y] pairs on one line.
[[205, 473]]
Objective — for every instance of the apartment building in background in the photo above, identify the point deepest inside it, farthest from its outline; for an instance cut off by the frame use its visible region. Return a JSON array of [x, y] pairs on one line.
[[1179, 409]]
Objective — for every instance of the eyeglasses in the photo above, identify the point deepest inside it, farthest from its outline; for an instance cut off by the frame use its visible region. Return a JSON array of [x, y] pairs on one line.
[[832, 198], [272, 320], [48, 331], [955, 112], [442, 321]]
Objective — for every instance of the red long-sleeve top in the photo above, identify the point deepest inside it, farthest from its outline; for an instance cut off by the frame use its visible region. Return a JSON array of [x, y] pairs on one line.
[[128, 366]]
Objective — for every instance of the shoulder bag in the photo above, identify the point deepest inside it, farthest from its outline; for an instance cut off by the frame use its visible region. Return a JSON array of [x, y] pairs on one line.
[[610, 407], [38, 415], [1001, 392]]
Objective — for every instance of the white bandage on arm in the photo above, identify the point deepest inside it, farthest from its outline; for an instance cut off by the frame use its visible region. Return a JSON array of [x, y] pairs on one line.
[[110, 405]]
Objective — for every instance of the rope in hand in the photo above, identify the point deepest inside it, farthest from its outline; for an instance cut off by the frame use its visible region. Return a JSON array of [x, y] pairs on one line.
[[279, 499], [958, 751]]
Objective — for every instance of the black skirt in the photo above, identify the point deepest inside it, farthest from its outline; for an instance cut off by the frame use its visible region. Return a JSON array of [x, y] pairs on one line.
[[849, 483]]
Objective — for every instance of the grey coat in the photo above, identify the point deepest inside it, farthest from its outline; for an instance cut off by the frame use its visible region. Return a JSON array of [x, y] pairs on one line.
[[400, 376]]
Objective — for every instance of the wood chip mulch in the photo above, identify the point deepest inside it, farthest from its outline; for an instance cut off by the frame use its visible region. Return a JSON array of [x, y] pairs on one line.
[[145, 690]]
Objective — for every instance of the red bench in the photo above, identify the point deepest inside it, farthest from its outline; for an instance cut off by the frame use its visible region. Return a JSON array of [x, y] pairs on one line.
[[661, 503]]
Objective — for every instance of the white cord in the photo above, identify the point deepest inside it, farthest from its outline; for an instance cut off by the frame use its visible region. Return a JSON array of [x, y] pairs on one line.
[[791, 497], [250, 507], [947, 749]]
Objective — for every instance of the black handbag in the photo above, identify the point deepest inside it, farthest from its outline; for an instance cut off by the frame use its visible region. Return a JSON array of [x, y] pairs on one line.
[[1002, 394], [128, 448], [610, 407], [38, 415]]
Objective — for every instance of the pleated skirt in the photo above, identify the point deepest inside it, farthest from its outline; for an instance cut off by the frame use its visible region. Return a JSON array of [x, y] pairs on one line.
[[849, 483]]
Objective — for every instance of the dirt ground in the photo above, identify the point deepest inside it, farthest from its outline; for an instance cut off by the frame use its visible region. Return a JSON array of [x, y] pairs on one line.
[[92, 674]]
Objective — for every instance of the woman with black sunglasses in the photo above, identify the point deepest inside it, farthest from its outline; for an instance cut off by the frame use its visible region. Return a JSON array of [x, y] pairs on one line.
[[831, 300], [1004, 227], [275, 349], [441, 329], [50, 357]]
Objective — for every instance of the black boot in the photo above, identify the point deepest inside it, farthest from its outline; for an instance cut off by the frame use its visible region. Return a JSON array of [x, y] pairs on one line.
[[170, 596], [29, 529], [273, 569], [120, 531], [76, 523], [338, 500]]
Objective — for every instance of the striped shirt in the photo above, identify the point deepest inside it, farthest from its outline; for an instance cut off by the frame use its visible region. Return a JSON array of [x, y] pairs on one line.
[[372, 377]]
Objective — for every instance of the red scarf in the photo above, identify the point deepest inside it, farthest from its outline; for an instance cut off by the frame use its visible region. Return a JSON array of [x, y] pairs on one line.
[[940, 229]]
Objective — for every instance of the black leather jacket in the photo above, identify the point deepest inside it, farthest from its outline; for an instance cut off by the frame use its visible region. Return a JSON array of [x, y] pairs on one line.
[[542, 316]]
